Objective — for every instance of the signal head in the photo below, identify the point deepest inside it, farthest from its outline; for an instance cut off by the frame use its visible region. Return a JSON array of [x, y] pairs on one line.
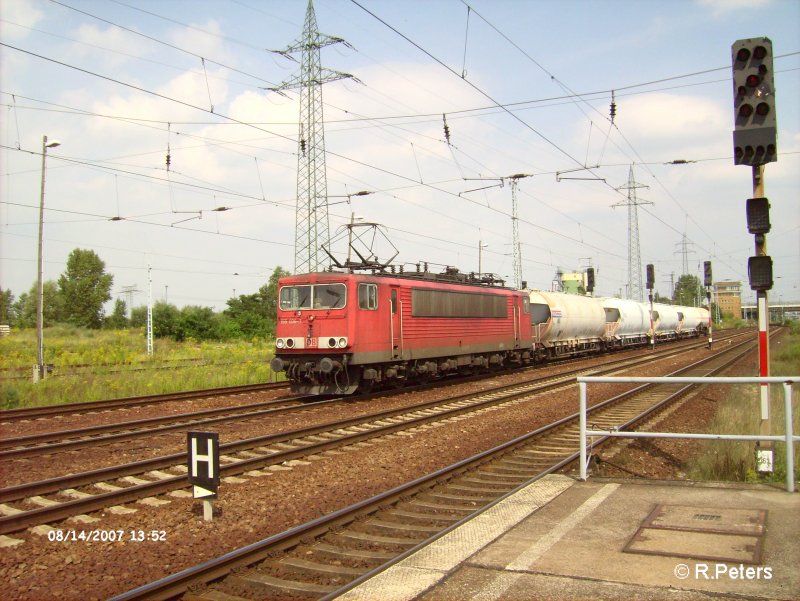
[[755, 130]]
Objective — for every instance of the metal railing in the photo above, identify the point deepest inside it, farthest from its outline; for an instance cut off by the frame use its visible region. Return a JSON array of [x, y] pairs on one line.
[[789, 438]]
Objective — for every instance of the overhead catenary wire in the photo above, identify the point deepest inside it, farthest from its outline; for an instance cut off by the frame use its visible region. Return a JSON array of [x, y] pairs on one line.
[[256, 161]]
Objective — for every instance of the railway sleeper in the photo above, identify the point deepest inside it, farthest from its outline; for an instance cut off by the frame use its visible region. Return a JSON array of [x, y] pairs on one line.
[[381, 526], [260, 584], [423, 518], [358, 537], [370, 557], [304, 565]]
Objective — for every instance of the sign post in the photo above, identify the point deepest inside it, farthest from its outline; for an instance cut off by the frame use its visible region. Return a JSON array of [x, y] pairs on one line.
[[202, 450]]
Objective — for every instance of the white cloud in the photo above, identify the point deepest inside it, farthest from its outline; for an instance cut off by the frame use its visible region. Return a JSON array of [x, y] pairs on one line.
[[19, 12], [721, 8]]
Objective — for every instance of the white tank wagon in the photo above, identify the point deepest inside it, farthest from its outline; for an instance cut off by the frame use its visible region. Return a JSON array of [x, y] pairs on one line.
[[666, 320], [694, 321], [566, 324], [627, 321]]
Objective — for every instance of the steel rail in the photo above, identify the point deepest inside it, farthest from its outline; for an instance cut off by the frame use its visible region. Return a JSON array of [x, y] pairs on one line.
[[33, 445], [66, 509], [10, 415], [177, 584]]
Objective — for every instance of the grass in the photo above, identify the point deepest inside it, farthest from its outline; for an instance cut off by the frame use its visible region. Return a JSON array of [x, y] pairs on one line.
[[741, 414], [102, 364]]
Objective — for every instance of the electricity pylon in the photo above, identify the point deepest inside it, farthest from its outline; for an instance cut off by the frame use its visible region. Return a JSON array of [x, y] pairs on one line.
[[684, 252], [311, 216], [635, 287]]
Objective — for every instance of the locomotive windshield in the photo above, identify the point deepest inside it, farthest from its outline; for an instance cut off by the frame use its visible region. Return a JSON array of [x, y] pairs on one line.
[[318, 296]]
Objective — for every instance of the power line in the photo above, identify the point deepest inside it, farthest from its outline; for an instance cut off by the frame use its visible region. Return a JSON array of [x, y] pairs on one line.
[[157, 41], [472, 85]]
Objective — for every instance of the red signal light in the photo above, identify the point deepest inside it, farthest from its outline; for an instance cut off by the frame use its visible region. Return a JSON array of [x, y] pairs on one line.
[[755, 129]]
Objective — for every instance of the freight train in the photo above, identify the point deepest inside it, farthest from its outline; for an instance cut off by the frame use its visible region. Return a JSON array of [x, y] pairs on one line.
[[342, 332]]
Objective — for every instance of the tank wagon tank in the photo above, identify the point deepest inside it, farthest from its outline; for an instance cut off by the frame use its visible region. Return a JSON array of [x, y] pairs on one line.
[[566, 324], [340, 332], [667, 321], [694, 321], [627, 322]]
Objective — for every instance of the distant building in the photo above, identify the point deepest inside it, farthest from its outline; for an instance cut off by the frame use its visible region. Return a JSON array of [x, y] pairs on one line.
[[728, 296], [573, 283]]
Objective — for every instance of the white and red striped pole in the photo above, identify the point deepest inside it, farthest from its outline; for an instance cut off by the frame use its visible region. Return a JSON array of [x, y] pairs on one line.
[[764, 451]]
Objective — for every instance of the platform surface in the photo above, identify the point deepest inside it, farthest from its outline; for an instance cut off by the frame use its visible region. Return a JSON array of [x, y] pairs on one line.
[[562, 539]]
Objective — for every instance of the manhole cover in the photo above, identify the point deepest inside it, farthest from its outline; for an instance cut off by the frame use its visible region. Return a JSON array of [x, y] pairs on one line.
[[712, 533]]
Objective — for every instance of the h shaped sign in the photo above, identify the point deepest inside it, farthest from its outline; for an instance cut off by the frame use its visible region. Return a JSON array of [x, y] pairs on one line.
[[203, 462]]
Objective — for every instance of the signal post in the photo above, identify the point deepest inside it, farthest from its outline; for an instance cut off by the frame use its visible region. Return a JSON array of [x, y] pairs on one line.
[[755, 143]]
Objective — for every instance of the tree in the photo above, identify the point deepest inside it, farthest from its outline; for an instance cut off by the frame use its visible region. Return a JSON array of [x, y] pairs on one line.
[[255, 314], [688, 291], [165, 319], [7, 312], [197, 323], [85, 287], [52, 306], [119, 318], [138, 317]]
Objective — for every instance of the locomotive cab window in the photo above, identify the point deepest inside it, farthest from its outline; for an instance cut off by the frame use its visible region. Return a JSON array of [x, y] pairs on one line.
[[319, 296], [295, 297], [368, 296], [329, 296]]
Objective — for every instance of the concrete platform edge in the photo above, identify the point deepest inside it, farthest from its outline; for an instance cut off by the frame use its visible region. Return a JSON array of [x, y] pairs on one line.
[[428, 566]]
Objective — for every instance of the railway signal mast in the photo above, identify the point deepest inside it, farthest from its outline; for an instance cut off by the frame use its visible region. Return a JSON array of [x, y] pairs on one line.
[[708, 282], [755, 143]]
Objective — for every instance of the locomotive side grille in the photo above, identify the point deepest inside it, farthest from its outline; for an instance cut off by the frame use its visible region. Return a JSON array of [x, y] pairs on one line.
[[444, 303]]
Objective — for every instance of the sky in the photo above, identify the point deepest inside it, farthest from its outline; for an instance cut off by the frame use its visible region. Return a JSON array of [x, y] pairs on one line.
[[524, 86]]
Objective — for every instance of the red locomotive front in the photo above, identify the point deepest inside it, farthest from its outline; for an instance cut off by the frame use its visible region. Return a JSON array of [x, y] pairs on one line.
[[338, 332]]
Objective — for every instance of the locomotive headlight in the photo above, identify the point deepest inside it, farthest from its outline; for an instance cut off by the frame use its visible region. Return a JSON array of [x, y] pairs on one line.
[[331, 342], [342, 342], [280, 343], [289, 343]]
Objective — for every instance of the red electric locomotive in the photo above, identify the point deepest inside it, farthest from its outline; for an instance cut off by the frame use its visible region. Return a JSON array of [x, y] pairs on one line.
[[341, 332]]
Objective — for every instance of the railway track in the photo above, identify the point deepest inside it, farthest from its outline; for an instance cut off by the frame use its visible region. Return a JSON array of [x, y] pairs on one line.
[[55, 499], [28, 413], [321, 558], [48, 443]]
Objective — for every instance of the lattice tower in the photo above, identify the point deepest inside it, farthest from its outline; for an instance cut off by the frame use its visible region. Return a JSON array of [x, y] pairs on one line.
[[311, 215], [684, 251], [635, 286]]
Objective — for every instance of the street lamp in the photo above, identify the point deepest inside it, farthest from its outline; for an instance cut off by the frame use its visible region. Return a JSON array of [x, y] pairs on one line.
[[40, 371]]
